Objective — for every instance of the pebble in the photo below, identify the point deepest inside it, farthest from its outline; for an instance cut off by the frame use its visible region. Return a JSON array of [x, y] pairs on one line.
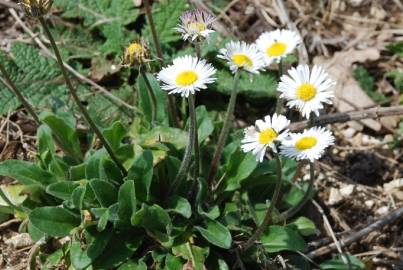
[[369, 203], [347, 190], [382, 210], [334, 196], [19, 241]]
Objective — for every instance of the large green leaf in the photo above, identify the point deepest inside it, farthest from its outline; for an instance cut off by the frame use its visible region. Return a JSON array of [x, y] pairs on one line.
[[105, 192], [240, 166], [153, 218], [278, 238], [26, 173], [216, 233], [127, 202], [115, 134], [62, 190], [54, 221], [304, 225], [142, 174], [66, 134], [180, 205]]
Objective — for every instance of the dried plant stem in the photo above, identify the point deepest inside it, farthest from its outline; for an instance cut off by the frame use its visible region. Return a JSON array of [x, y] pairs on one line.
[[292, 211], [267, 217], [184, 167], [152, 97], [348, 116], [171, 99], [13, 87], [224, 131], [73, 93]]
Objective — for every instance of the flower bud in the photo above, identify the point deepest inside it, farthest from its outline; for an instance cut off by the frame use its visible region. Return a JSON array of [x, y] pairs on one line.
[[136, 53], [36, 8]]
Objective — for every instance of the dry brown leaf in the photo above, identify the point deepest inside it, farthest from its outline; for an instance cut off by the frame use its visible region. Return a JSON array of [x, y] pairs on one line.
[[348, 94]]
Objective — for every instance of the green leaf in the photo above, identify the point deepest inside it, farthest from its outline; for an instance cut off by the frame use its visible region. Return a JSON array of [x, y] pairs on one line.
[[166, 17], [92, 170], [67, 135], [96, 243], [153, 218], [278, 238], [119, 250], [127, 202], [15, 193], [337, 263], [396, 48], [54, 221], [240, 166], [216, 233], [304, 225], [367, 83], [131, 265], [176, 137], [26, 173], [105, 192], [255, 86], [180, 205], [45, 140], [142, 174], [173, 263], [195, 255], [62, 190], [103, 220], [115, 134], [145, 100]]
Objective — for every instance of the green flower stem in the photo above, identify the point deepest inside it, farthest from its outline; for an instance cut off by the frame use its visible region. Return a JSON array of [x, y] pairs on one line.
[[198, 160], [73, 93], [292, 211], [184, 167], [171, 99], [280, 102], [224, 131], [267, 217], [152, 97], [19, 95]]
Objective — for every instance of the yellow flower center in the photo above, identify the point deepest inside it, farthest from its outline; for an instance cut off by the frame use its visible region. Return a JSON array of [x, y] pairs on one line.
[[196, 26], [241, 60], [306, 92], [267, 136], [306, 143], [277, 49], [135, 48], [186, 78]]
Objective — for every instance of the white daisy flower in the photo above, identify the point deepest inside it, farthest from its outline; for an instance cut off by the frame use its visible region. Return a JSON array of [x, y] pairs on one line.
[[186, 75], [195, 24], [305, 90], [277, 44], [310, 144], [264, 134], [241, 55]]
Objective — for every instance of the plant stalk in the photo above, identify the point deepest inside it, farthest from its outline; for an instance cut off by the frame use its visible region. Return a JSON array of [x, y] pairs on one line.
[[292, 211], [13, 87], [267, 217], [73, 93], [152, 97], [198, 160], [184, 167], [224, 131]]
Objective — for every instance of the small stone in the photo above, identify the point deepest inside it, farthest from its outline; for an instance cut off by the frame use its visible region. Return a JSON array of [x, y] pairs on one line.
[[369, 203], [347, 190], [334, 196], [349, 132], [382, 210]]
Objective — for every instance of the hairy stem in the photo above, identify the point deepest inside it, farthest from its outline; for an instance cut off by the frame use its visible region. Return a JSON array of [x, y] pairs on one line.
[[267, 217], [13, 87], [198, 163], [224, 131], [152, 97], [184, 167], [292, 211], [74, 94]]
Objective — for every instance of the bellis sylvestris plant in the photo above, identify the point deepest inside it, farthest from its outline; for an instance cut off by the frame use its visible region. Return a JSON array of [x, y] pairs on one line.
[[178, 185]]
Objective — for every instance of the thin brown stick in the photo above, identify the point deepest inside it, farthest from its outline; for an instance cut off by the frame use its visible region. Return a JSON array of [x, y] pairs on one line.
[[355, 236], [349, 116], [8, 4]]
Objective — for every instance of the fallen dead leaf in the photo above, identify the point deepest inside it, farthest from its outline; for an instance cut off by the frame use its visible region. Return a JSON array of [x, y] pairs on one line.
[[348, 94]]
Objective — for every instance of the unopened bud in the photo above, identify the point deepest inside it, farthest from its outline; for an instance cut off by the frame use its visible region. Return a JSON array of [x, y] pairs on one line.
[[136, 53]]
